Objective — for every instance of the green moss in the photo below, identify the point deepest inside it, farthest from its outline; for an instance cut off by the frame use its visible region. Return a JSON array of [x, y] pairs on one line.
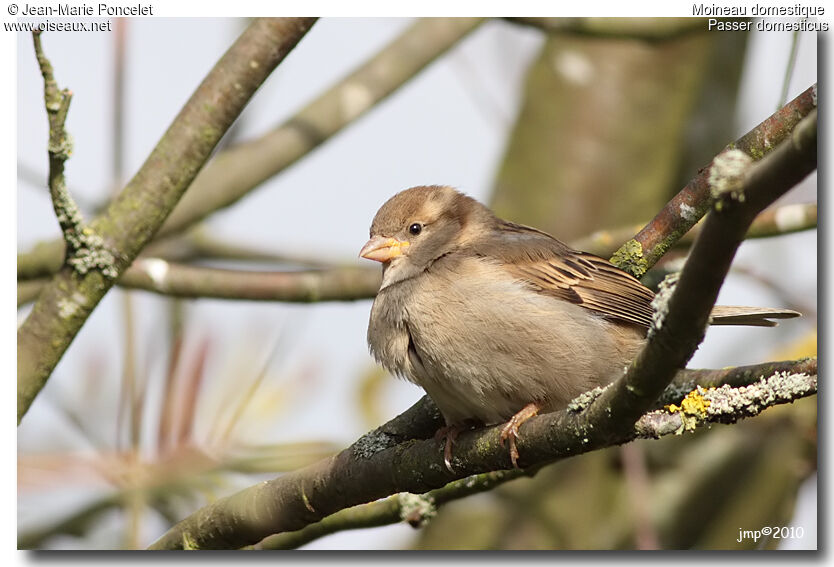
[[188, 542], [630, 258]]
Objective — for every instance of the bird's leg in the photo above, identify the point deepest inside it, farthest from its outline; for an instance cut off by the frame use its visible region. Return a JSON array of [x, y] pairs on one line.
[[450, 433], [510, 430]]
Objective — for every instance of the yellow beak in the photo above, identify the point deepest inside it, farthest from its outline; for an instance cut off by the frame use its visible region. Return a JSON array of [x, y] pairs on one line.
[[382, 249]]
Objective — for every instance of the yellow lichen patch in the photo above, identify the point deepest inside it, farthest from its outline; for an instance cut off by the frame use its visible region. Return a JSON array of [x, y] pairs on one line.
[[693, 409]]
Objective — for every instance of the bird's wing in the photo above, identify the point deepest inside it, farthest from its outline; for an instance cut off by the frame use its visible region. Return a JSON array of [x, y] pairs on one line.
[[552, 268]]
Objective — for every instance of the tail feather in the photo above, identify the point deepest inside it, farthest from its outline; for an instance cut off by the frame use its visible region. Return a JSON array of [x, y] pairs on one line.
[[749, 316]]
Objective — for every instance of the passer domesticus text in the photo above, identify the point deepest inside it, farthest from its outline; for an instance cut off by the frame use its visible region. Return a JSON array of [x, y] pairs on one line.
[[498, 321]]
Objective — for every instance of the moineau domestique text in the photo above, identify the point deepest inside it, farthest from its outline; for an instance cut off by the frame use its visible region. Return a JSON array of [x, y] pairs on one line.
[[99, 10], [797, 10]]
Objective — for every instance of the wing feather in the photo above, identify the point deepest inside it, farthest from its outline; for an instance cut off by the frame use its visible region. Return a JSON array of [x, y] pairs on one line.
[[552, 268]]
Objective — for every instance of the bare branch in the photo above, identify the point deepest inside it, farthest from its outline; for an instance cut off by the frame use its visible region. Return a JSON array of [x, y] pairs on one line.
[[180, 280], [416, 509], [137, 213], [680, 214], [193, 281]]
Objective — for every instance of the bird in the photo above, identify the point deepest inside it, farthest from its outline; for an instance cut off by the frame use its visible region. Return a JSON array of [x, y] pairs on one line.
[[498, 321]]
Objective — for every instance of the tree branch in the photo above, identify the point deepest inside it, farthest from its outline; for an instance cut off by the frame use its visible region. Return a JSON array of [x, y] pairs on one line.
[[417, 509], [680, 214], [403, 453], [682, 314], [136, 214], [180, 280]]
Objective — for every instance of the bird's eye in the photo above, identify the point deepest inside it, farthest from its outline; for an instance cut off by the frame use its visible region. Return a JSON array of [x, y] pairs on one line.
[[415, 228]]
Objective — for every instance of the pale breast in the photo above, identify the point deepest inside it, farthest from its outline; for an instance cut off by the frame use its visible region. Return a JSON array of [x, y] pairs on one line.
[[483, 346]]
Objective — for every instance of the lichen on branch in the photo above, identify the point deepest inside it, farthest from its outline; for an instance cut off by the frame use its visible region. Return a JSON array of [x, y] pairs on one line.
[[85, 250]]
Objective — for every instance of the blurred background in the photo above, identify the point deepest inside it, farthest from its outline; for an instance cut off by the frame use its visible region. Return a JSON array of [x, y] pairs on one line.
[[162, 405]]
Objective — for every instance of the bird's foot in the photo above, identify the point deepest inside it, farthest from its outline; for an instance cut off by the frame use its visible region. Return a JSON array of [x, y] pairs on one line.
[[510, 430], [450, 433]]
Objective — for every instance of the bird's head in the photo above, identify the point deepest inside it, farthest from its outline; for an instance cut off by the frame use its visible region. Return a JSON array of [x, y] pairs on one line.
[[417, 226]]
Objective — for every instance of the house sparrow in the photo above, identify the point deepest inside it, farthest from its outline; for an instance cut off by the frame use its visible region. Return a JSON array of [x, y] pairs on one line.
[[497, 321]]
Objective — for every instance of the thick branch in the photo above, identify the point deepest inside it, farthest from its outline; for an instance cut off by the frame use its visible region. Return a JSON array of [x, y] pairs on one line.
[[681, 213], [382, 463], [419, 508], [137, 213]]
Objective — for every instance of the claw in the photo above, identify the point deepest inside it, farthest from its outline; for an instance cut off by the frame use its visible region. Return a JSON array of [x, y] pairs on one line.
[[510, 430], [450, 433]]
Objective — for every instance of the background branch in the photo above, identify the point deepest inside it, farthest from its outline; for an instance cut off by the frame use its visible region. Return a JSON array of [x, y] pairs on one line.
[[180, 280], [634, 28], [137, 213]]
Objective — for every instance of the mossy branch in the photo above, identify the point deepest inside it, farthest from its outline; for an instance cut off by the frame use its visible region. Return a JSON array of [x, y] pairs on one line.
[[402, 456], [739, 196], [742, 385], [136, 214], [84, 249], [680, 214]]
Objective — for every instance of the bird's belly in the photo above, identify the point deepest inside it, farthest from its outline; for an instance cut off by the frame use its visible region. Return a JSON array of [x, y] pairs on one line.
[[489, 363]]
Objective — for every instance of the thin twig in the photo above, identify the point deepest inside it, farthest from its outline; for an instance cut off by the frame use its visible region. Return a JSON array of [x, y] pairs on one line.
[[786, 82]]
